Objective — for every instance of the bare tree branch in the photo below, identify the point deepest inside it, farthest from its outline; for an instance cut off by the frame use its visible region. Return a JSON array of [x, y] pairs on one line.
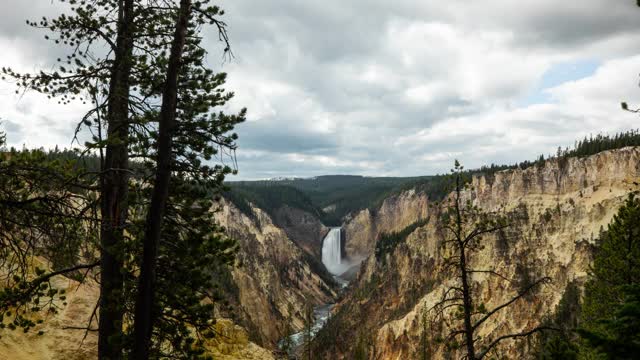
[[513, 336], [490, 272], [514, 299]]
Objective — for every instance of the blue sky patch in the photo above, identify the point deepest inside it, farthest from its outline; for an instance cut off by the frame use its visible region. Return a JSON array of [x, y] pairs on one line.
[[558, 74]]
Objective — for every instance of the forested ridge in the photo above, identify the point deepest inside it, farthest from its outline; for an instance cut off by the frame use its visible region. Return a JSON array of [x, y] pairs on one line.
[[331, 197]]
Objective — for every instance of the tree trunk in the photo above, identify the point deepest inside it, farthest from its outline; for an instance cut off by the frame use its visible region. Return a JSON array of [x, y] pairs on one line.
[[468, 307], [143, 321], [114, 189], [464, 278]]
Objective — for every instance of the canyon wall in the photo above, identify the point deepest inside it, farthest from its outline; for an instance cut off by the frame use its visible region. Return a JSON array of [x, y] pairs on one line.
[[395, 213], [555, 211], [302, 228], [58, 341]]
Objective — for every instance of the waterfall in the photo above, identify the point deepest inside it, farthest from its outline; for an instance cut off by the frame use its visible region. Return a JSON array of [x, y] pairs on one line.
[[332, 260], [332, 252]]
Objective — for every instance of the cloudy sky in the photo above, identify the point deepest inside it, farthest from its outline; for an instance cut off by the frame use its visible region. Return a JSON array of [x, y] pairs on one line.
[[388, 88]]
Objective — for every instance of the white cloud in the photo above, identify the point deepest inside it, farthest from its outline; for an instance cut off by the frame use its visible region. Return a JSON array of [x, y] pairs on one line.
[[382, 88]]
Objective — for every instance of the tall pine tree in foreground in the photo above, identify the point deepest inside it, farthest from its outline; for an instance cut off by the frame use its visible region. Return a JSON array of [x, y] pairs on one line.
[[143, 317], [187, 134], [124, 87], [610, 323]]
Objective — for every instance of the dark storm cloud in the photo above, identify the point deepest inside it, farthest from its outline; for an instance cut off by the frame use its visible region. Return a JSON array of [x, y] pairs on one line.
[[567, 24]]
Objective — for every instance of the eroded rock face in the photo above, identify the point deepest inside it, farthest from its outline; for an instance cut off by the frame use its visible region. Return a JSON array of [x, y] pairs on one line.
[[233, 344], [275, 278], [556, 210], [396, 212]]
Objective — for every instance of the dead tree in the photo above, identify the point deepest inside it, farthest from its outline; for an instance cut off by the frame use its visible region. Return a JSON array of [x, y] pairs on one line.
[[465, 225]]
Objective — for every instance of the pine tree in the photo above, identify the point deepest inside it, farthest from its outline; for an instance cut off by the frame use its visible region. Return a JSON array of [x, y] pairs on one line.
[[124, 126], [143, 322], [188, 224], [562, 344], [425, 349], [611, 309], [287, 341], [360, 352]]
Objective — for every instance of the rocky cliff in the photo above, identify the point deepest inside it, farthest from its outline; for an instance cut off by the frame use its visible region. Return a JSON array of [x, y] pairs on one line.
[[60, 340], [303, 228], [396, 212], [555, 211]]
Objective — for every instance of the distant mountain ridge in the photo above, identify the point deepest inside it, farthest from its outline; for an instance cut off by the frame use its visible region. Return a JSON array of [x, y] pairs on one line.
[[342, 194]]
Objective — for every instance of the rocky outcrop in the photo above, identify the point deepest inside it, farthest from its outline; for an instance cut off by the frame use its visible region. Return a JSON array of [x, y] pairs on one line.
[[274, 277], [58, 341], [396, 212], [64, 337], [233, 344], [555, 210]]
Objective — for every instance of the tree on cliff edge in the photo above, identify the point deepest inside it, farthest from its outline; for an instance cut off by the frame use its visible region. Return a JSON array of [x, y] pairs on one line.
[[460, 311]]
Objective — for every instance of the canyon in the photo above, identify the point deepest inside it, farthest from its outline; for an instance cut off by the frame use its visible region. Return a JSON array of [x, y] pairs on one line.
[[555, 210]]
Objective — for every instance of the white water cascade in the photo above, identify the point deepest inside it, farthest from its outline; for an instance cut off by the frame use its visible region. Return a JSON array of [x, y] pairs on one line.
[[332, 252]]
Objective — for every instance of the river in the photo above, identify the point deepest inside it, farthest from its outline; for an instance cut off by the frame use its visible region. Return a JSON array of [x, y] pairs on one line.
[[336, 265]]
